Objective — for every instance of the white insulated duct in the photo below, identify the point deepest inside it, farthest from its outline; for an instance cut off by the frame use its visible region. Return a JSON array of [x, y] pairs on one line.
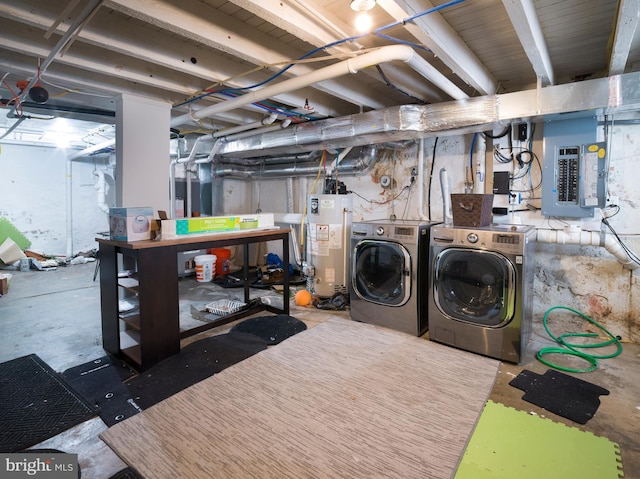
[[573, 235], [352, 65]]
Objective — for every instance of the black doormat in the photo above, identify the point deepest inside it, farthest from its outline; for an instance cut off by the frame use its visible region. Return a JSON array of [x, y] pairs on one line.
[[271, 329], [100, 382], [127, 473], [36, 403], [560, 394], [195, 362]]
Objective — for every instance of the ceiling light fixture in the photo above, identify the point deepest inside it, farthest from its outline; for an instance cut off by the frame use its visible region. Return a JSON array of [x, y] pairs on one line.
[[362, 5]]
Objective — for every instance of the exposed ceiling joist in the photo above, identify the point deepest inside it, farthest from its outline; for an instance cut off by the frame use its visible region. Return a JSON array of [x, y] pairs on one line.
[[442, 40], [626, 28], [526, 24]]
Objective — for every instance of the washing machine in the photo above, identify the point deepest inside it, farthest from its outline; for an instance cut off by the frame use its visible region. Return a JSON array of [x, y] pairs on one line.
[[388, 273], [482, 288]]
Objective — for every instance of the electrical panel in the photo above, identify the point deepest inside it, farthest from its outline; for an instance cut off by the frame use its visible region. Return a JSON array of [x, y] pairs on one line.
[[574, 171]]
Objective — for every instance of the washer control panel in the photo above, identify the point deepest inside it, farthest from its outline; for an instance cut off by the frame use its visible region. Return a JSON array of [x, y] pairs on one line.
[[505, 238]]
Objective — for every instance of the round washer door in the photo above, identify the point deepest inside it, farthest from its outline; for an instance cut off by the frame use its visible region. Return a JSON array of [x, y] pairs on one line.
[[475, 286], [381, 272]]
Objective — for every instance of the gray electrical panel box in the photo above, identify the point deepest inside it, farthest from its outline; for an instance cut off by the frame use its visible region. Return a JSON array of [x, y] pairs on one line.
[[574, 170]]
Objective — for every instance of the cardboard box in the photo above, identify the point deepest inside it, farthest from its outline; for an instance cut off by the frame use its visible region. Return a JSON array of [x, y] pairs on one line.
[[205, 225], [10, 252], [130, 224], [5, 280]]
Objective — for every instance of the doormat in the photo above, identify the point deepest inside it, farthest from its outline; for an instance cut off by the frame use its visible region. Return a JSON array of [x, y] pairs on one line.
[[561, 394], [508, 443], [100, 383], [195, 362], [272, 329], [126, 473], [36, 403]]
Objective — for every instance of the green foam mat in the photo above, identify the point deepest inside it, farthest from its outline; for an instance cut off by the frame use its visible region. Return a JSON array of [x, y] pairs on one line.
[[508, 444], [7, 230]]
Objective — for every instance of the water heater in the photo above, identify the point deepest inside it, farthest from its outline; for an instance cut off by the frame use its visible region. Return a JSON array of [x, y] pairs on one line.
[[328, 231]]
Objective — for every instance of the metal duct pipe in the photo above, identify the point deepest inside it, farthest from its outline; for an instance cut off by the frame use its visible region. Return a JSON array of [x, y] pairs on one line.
[[351, 165], [352, 65], [574, 235], [412, 122], [276, 160]]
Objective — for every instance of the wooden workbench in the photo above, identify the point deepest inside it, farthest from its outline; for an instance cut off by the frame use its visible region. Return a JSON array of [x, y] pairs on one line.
[[156, 272]]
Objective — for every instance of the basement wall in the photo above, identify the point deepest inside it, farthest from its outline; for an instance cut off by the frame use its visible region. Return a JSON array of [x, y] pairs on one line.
[[33, 198]]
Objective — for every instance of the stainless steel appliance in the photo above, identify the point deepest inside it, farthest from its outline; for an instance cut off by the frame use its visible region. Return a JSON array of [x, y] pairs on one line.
[[482, 288], [389, 274]]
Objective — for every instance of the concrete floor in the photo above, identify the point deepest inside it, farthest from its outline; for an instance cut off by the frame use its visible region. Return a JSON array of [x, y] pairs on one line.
[[56, 314]]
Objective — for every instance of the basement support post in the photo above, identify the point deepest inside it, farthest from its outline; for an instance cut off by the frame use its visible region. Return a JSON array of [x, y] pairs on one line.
[[142, 152]]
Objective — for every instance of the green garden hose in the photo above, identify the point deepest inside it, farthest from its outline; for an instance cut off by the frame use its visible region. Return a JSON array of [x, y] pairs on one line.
[[574, 349]]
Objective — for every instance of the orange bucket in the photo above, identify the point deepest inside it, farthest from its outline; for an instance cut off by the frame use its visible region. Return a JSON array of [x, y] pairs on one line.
[[223, 260]]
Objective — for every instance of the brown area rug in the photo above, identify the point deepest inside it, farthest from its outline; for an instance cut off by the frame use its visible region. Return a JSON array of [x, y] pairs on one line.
[[342, 399]]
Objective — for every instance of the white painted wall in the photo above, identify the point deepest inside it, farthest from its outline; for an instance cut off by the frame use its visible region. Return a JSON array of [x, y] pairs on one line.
[[33, 197]]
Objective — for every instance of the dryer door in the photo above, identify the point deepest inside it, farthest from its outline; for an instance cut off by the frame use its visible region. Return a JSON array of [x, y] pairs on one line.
[[381, 272], [475, 286]]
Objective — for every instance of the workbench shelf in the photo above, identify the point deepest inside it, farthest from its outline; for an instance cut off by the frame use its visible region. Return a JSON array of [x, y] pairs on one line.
[[154, 323]]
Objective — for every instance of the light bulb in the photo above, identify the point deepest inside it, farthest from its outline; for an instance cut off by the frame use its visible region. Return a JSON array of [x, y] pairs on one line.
[[362, 5], [363, 23]]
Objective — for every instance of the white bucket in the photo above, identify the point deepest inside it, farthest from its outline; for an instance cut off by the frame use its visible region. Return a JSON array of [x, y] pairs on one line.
[[205, 267]]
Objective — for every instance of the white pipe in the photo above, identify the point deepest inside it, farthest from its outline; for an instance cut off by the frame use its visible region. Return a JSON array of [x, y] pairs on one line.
[[89, 9], [69, 184], [445, 187], [259, 131], [172, 177], [101, 186], [352, 65], [214, 151], [575, 236], [422, 184], [247, 126]]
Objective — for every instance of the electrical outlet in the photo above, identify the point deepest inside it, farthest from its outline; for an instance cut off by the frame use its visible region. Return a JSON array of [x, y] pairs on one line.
[[414, 171], [515, 198]]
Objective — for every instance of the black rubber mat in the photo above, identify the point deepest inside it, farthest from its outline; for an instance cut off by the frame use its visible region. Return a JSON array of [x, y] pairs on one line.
[[36, 403], [271, 329], [100, 382], [560, 394], [195, 362], [127, 473]]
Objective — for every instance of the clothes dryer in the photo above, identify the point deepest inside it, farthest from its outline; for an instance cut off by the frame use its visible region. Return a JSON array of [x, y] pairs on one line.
[[389, 274], [482, 288]]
